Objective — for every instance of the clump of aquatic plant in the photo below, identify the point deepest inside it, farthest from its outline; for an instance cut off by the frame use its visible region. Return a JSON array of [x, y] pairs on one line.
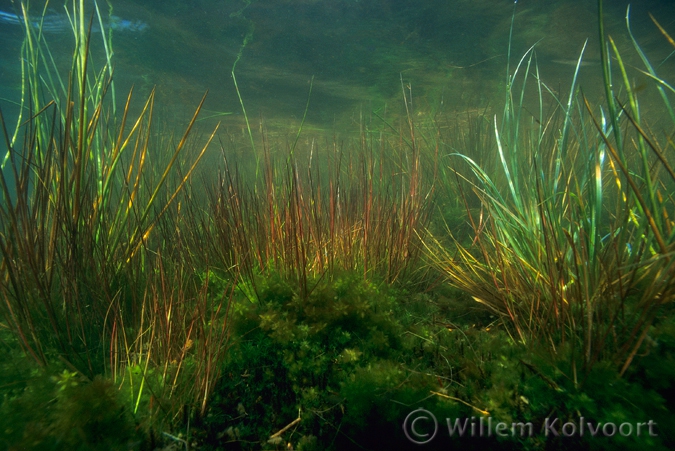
[[332, 209], [83, 228], [572, 225], [292, 355], [645, 165], [168, 362], [484, 374], [355, 359]]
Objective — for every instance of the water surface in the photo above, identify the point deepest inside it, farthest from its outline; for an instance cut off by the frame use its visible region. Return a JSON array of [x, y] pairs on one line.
[[360, 54]]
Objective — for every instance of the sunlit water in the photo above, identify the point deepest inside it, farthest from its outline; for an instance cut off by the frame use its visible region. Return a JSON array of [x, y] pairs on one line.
[[361, 54]]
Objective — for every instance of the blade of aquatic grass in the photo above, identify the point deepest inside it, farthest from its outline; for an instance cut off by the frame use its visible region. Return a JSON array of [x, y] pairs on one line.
[[108, 50], [648, 66], [291, 153], [247, 38], [568, 117], [607, 79], [508, 51], [515, 194], [662, 30], [215, 114], [660, 81]]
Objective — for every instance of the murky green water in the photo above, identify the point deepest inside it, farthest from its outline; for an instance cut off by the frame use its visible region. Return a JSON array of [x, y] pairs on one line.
[[359, 53]]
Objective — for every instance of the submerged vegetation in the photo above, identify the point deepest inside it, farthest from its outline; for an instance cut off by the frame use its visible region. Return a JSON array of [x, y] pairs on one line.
[[311, 295]]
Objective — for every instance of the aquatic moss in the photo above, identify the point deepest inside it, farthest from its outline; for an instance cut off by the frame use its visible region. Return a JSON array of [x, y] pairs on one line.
[[61, 411]]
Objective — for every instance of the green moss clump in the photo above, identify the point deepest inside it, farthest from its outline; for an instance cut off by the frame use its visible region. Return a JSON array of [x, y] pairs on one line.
[[61, 411], [292, 354], [353, 359]]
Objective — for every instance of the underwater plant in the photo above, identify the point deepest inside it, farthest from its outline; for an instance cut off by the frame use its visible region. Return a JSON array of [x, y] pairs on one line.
[[322, 211], [574, 237], [82, 279]]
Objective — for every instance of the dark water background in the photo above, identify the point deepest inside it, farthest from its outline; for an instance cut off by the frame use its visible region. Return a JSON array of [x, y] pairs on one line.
[[360, 52]]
